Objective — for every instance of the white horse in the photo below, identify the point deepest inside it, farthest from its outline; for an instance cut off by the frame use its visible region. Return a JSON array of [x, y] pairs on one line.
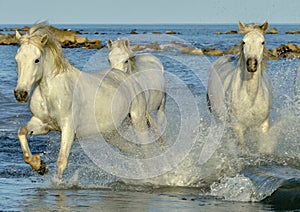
[[146, 69], [42, 67], [241, 90]]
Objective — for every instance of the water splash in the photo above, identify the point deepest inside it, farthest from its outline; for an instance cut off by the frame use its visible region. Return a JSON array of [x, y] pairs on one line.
[[238, 188]]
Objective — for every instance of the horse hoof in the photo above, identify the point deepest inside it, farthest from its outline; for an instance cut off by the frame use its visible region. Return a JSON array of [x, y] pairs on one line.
[[43, 168]]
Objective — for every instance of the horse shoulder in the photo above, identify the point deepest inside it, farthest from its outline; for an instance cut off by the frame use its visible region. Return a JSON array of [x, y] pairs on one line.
[[148, 61]]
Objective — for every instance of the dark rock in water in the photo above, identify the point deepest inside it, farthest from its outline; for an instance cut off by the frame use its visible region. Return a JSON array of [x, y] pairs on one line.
[[218, 33], [290, 50], [156, 33], [93, 44], [213, 52], [194, 51], [293, 32], [170, 32], [227, 33], [273, 31], [293, 47], [154, 46], [231, 32], [133, 33]]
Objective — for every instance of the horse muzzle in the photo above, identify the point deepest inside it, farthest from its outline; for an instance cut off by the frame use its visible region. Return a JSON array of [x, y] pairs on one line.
[[21, 95], [251, 64]]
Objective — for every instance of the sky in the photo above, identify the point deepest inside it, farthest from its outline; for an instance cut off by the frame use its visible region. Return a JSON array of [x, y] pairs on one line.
[[149, 11]]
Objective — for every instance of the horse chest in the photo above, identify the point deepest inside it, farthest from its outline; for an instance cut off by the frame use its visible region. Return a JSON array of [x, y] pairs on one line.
[[47, 108], [250, 111]]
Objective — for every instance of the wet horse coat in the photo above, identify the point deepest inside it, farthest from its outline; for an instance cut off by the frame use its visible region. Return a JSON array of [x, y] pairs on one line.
[[146, 69], [43, 69], [241, 91]]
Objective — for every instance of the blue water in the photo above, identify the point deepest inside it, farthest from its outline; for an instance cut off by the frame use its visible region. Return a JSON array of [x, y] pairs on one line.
[[231, 180]]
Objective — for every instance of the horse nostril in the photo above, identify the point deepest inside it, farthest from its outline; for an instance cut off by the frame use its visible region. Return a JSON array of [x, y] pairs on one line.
[[21, 96], [251, 64], [24, 94]]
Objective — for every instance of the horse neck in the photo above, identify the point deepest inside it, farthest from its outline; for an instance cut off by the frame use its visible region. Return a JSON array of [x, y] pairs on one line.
[[50, 70], [248, 83]]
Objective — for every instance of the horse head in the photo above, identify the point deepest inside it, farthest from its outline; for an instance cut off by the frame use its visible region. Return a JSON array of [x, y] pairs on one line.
[[253, 45], [29, 60], [120, 54]]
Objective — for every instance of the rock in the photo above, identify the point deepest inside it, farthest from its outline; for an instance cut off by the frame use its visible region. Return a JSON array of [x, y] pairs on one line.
[[154, 46], [8, 39], [289, 50], [63, 35], [69, 44], [194, 51], [227, 33], [231, 32], [93, 44], [273, 31], [213, 52], [138, 47], [170, 32], [80, 40], [179, 44], [25, 28], [156, 33], [280, 51], [292, 55], [293, 32], [293, 47], [234, 49], [133, 33]]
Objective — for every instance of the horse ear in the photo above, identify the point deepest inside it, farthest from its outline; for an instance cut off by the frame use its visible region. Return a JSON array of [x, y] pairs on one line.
[[44, 39], [109, 43], [18, 35], [265, 26], [241, 26], [127, 42]]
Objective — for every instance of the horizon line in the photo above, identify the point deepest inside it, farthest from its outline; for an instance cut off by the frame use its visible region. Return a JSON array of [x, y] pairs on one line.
[[139, 23]]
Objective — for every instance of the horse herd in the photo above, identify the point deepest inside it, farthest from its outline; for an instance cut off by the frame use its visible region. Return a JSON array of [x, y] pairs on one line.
[[239, 91]]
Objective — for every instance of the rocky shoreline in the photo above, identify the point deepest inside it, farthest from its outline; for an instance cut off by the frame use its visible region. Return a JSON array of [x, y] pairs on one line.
[[71, 39]]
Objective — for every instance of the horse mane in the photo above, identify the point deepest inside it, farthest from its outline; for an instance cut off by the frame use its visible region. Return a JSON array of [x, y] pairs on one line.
[[35, 35], [132, 64]]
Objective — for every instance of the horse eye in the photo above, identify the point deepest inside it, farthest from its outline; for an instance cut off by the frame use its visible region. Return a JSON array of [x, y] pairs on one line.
[[243, 42], [263, 43], [126, 61], [37, 61]]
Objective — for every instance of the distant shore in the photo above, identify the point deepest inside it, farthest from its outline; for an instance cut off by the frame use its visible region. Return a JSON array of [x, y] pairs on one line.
[[74, 39]]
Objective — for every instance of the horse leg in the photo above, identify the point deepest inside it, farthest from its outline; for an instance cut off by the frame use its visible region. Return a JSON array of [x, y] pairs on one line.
[[33, 127], [67, 138], [265, 125], [239, 130], [138, 114], [161, 111], [266, 143]]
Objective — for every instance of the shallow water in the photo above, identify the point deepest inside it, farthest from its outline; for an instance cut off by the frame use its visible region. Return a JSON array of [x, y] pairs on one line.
[[228, 179]]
